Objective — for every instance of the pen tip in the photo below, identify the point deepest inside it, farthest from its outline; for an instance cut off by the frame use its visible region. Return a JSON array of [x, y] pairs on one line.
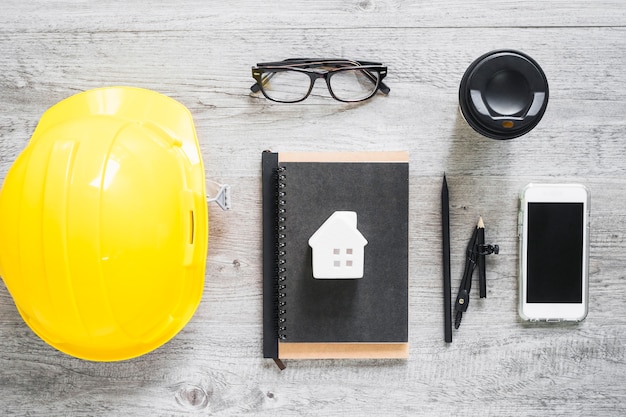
[[480, 224]]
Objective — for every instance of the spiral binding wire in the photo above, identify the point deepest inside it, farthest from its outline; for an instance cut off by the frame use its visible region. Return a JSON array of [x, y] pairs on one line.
[[281, 271]]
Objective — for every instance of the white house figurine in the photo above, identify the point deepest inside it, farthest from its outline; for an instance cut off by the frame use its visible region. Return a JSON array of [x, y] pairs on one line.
[[338, 247]]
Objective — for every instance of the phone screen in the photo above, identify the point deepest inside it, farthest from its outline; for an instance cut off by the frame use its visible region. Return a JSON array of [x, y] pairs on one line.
[[555, 253]]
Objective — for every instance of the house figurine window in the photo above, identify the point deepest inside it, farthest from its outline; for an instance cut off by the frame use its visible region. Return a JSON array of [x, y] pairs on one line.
[[338, 247]]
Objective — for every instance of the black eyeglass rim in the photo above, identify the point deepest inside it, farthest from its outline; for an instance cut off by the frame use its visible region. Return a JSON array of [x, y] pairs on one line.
[[294, 64], [313, 75], [258, 73]]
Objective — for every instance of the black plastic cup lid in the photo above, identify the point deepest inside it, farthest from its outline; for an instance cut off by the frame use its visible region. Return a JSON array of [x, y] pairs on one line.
[[503, 94]]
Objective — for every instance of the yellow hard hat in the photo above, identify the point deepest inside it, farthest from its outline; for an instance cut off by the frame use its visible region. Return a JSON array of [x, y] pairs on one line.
[[103, 224]]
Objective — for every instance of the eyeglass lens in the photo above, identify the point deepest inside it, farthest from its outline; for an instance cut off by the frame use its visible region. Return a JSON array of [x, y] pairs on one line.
[[353, 85], [346, 85], [286, 86]]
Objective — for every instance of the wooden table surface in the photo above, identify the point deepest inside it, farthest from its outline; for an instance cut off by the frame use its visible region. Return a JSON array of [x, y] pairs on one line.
[[200, 53]]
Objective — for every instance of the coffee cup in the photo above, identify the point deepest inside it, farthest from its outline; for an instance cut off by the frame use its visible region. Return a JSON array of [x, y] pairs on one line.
[[503, 94]]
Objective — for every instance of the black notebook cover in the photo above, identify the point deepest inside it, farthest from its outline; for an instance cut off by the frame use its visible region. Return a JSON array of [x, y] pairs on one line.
[[372, 309]]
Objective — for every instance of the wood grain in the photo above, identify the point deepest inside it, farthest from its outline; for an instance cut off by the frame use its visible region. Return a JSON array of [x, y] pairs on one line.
[[200, 53]]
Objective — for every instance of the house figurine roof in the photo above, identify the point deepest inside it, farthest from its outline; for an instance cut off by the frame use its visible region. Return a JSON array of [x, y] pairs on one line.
[[338, 247]]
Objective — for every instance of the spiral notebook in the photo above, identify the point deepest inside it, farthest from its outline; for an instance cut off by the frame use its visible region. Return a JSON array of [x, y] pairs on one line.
[[305, 317]]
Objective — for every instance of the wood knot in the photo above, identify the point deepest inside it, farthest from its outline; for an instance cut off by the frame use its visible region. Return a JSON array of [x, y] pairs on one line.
[[365, 5], [192, 397]]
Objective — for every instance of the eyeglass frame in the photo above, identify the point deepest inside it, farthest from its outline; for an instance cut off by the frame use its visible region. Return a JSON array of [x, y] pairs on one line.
[[296, 64]]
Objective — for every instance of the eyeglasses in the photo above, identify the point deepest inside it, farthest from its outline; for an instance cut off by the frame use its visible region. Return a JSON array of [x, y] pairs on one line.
[[291, 80]]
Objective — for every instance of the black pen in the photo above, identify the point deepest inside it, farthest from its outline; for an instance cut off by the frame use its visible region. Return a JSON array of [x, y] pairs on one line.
[[447, 287]]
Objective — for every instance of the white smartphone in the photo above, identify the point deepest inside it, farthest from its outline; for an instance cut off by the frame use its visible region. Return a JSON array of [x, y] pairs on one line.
[[554, 252]]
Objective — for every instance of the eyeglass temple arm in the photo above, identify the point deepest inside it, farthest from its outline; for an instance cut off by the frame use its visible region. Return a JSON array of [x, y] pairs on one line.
[[316, 60], [383, 87]]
